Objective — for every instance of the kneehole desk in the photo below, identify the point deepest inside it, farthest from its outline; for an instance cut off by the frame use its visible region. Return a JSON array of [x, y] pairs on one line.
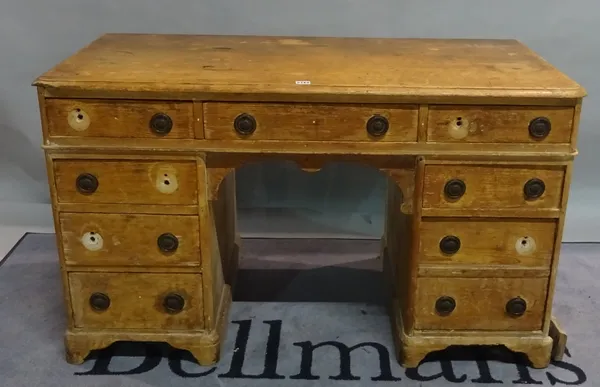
[[142, 134]]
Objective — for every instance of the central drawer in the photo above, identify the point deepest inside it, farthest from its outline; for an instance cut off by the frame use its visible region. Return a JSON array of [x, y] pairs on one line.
[[130, 240], [310, 122], [137, 301]]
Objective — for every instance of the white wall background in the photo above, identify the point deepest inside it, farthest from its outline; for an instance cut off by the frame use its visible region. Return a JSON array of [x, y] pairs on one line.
[[35, 35]]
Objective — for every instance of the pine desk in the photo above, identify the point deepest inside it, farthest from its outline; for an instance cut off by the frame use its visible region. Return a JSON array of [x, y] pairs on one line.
[[142, 134]]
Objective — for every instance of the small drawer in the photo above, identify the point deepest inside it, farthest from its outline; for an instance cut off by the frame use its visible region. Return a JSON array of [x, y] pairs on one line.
[[119, 118], [499, 124], [126, 181], [510, 242], [310, 122], [487, 187], [130, 240], [137, 300], [514, 304]]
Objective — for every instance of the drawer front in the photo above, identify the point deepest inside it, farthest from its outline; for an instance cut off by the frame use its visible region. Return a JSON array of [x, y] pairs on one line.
[[125, 181], [515, 242], [130, 240], [310, 122], [489, 124], [119, 118], [515, 304], [484, 187], [136, 301]]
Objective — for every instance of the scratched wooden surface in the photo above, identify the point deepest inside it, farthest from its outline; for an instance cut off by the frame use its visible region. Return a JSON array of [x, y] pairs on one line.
[[262, 64]]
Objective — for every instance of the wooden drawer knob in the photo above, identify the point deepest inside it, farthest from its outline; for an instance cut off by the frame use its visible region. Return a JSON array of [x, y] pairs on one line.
[[534, 188], [539, 127], [445, 305], [377, 125], [167, 242], [86, 183], [516, 307], [455, 189], [99, 301], [161, 124], [244, 124], [450, 244], [173, 303]]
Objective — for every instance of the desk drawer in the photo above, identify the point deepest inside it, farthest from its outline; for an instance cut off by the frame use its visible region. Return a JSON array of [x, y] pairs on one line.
[[499, 124], [485, 187], [515, 304], [506, 242], [119, 118], [310, 122], [126, 181], [130, 240], [137, 301]]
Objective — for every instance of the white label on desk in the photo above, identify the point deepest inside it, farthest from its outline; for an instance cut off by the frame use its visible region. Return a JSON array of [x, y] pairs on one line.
[[302, 82]]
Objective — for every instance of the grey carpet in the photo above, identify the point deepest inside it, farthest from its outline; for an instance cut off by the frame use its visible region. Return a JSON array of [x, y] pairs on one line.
[[281, 309]]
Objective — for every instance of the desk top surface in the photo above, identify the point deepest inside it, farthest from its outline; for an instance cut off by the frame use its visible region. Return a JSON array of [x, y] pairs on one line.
[[197, 64]]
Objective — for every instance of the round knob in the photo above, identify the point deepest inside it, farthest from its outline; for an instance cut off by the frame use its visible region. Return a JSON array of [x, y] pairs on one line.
[[539, 127], [445, 305], [173, 303], [244, 124], [86, 183], [454, 189], [534, 188], [516, 307], [377, 125], [167, 242], [450, 244], [161, 124], [99, 301]]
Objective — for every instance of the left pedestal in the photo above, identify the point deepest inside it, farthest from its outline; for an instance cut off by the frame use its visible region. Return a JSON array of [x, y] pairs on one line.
[[145, 253]]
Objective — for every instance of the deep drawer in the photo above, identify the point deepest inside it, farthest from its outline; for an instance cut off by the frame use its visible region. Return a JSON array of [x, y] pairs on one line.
[[137, 301], [513, 304]]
